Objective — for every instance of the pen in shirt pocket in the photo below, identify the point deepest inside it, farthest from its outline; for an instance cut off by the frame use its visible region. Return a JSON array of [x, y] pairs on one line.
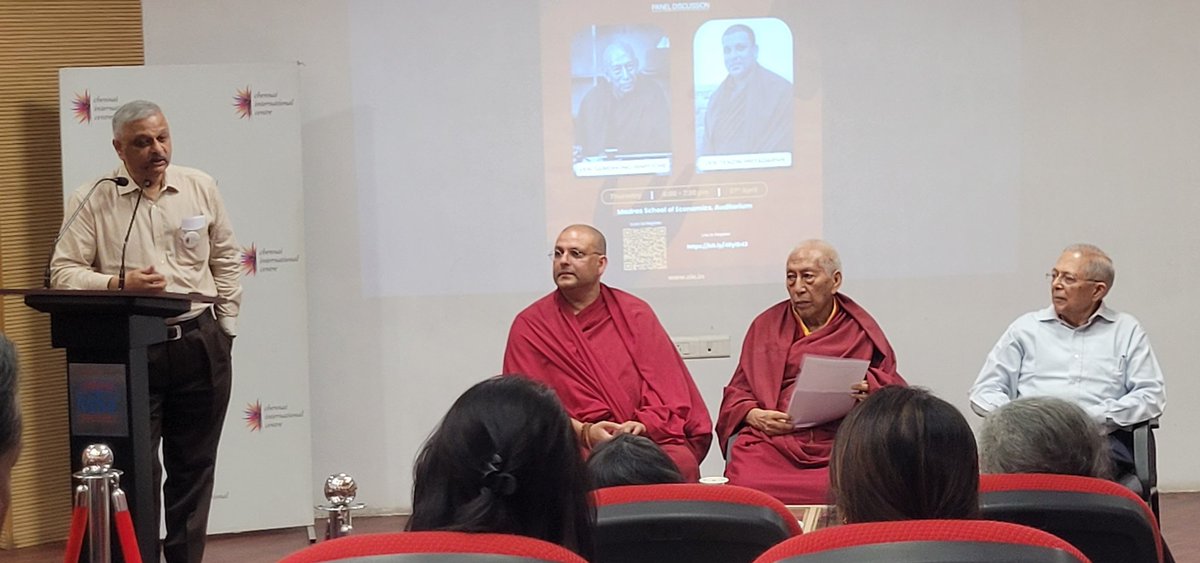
[[1122, 362]]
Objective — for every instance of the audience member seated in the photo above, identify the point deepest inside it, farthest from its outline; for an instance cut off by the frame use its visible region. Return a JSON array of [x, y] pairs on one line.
[[1043, 435], [505, 460], [10, 422], [1047, 435], [631, 460], [904, 454]]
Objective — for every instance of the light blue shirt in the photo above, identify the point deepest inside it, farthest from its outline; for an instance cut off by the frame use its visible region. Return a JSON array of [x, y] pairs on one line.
[[1105, 366]]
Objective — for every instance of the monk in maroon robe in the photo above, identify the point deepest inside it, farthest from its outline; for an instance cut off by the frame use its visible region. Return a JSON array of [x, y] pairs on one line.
[[768, 453], [751, 111], [608, 358]]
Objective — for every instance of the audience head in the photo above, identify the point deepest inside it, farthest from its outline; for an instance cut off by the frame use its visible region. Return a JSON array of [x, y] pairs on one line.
[[10, 421], [1043, 435], [904, 454], [631, 460], [505, 460]]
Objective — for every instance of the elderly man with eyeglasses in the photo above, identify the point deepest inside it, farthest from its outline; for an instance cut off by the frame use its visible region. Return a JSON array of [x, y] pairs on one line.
[[608, 358], [1078, 349], [764, 448]]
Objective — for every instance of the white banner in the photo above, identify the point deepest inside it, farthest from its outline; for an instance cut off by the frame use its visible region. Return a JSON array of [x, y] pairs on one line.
[[240, 124]]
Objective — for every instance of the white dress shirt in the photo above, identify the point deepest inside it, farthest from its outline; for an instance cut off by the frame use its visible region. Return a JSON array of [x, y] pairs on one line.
[[1105, 366]]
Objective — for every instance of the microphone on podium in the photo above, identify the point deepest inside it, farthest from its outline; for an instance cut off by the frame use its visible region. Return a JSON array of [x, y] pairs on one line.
[[119, 180], [125, 245]]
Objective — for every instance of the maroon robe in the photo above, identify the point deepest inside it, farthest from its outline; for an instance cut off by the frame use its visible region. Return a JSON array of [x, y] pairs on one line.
[[793, 467], [614, 362]]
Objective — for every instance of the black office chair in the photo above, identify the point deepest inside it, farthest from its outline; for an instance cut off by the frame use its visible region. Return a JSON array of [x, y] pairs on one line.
[[1143, 480], [688, 522], [1106, 521]]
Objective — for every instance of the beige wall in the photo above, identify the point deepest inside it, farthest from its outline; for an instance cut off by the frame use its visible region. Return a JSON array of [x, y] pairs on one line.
[[38, 39]]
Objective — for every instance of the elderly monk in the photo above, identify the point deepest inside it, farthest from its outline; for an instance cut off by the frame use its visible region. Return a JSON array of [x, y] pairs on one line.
[[608, 358], [763, 448], [627, 112]]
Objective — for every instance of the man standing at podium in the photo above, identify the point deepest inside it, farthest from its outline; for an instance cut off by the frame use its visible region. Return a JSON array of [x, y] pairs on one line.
[[179, 240], [608, 358]]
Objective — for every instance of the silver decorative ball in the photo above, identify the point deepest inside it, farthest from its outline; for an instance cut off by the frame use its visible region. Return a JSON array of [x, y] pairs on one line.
[[98, 455], [340, 489]]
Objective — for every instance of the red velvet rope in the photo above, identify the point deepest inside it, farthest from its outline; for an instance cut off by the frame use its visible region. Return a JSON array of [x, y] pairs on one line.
[[78, 528], [129, 546]]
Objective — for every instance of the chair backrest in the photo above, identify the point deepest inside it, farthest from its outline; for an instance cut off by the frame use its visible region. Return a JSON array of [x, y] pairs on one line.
[[925, 541], [1105, 520], [688, 522], [435, 547]]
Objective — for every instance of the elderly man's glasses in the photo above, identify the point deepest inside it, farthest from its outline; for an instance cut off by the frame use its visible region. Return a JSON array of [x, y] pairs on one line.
[[1067, 279], [574, 253]]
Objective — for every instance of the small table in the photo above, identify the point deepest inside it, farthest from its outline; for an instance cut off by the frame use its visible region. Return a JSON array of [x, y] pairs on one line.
[[814, 516]]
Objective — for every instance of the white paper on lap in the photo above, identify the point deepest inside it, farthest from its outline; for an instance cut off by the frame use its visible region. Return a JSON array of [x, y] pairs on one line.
[[822, 390]]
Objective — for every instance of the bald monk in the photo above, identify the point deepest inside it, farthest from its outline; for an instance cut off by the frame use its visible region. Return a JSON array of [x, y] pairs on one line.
[[767, 453], [751, 111], [608, 358]]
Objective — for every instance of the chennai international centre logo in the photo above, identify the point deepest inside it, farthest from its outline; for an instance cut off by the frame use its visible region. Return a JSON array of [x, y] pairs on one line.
[[82, 106], [243, 102], [253, 415], [249, 260]]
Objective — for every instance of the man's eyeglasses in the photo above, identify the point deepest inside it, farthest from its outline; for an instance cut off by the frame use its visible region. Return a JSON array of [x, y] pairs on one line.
[[574, 253], [1067, 279]]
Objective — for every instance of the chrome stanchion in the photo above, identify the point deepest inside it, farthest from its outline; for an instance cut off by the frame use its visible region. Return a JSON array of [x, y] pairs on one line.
[[339, 491], [96, 497]]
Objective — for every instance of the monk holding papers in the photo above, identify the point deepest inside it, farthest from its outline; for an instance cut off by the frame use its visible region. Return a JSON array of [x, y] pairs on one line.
[[763, 447], [608, 358]]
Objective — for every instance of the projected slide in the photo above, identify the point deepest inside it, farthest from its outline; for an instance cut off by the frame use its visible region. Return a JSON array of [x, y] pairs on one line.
[[705, 139], [678, 132]]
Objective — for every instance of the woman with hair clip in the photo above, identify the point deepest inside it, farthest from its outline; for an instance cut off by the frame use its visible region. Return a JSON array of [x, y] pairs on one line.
[[505, 460], [904, 454]]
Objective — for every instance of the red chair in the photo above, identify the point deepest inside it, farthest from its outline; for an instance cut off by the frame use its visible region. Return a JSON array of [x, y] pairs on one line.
[[925, 541], [1103, 519], [439, 547], [688, 522]]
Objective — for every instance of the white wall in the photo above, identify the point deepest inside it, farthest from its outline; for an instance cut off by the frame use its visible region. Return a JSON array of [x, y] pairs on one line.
[[1109, 145]]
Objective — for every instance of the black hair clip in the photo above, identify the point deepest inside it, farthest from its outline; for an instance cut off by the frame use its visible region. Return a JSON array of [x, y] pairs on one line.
[[499, 482]]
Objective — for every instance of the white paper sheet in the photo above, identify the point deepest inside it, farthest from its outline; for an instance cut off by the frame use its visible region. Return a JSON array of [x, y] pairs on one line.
[[822, 390]]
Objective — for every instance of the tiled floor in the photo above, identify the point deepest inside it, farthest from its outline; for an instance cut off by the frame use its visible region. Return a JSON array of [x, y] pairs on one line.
[[1180, 513]]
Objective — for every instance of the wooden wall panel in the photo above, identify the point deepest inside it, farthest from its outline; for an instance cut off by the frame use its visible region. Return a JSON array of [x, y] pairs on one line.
[[37, 39]]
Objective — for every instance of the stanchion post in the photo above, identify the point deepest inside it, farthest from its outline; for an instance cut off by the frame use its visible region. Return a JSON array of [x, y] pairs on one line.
[[339, 491]]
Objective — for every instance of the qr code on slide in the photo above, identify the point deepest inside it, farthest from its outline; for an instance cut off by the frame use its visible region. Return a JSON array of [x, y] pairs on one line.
[[645, 248]]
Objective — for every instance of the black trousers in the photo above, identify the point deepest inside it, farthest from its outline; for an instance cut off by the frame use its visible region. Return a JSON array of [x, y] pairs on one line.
[[190, 381]]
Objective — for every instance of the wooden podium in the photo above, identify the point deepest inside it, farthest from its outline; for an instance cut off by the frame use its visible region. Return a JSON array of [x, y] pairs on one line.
[[106, 335]]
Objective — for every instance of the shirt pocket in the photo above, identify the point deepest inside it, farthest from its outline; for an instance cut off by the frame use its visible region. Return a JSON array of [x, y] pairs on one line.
[[191, 242]]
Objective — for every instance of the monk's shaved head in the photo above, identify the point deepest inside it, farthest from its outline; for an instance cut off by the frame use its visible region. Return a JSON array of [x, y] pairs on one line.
[[829, 259], [599, 243]]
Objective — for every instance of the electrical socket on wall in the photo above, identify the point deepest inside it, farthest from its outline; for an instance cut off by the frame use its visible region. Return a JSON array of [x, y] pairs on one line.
[[709, 346]]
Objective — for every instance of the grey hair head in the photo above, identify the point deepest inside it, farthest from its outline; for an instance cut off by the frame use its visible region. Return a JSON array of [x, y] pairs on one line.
[[1099, 266], [1043, 435], [616, 47], [829, 260], [136, 110], [10, 412]]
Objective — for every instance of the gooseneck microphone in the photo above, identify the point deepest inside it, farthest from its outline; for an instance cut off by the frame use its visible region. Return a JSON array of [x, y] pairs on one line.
[[124, 245], [119, 180]]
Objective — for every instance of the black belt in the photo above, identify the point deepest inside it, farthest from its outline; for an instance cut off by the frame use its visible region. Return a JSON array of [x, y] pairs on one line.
[[177, 330]]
